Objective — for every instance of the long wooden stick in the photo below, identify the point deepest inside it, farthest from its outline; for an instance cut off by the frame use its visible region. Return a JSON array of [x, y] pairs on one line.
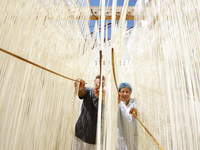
[[149, 133], [34, 64], [133, 113], [113, 66], [100, 61]]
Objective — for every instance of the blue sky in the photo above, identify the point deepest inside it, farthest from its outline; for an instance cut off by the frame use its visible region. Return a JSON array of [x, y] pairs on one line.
[[109, 3], [119, 2]]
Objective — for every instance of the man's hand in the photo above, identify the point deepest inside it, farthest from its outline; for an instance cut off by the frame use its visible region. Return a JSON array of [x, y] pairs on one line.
[[133, 111], [81, 84]]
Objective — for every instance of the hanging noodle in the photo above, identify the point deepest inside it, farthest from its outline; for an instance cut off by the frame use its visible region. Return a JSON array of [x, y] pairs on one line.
[[159, 57]]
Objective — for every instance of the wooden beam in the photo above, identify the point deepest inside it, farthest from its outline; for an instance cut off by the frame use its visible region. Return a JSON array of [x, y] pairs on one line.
[[96, 13]]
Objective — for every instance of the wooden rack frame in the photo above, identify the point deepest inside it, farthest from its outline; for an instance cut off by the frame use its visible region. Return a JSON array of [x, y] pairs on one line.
[[96, 13]]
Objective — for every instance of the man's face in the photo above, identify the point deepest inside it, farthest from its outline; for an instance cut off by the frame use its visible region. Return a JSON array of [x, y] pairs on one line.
[[97, 82], [125, 94]]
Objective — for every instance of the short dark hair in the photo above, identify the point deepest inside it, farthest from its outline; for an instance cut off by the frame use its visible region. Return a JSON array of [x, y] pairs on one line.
[[98, 76]]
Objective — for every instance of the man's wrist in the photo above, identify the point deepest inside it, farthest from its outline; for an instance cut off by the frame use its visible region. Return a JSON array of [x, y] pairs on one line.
[[81, 92]]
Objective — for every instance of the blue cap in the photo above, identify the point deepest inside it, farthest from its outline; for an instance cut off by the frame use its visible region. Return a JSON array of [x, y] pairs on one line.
[[122, 85]]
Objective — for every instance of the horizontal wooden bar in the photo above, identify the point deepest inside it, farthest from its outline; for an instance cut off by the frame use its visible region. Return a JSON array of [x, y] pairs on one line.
[[96, 13]]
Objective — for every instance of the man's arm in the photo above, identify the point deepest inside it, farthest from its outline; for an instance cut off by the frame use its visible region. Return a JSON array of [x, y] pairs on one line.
[[81, 91]]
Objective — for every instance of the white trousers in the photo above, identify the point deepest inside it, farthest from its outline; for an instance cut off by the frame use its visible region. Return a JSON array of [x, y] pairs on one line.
[[81, 145]]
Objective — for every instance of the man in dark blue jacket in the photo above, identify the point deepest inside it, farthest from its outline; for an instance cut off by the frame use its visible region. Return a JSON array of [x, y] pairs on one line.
[[85, 130]]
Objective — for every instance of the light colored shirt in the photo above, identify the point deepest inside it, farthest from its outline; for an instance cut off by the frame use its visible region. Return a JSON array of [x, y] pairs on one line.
[[127, 127]]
